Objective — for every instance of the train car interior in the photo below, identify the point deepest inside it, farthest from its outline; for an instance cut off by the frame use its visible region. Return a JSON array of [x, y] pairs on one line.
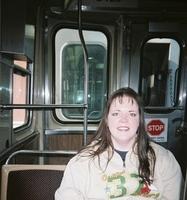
[[59, 62]]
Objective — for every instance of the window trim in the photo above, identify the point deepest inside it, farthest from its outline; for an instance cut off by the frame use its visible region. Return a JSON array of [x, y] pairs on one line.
[[26, 73], [64, 119], [181, 45]]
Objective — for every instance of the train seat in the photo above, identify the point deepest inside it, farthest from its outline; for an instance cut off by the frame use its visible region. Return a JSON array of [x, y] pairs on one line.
[[30, 182]]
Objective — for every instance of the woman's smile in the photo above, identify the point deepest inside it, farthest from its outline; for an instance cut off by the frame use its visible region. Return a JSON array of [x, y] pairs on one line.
[[123, 128]]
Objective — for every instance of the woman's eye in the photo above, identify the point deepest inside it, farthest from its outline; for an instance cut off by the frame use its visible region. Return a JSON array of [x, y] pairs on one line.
[[133, 114], [115, 114]]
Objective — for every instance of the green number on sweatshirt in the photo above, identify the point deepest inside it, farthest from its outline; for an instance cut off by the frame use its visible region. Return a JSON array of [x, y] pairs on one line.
[[116, 186]]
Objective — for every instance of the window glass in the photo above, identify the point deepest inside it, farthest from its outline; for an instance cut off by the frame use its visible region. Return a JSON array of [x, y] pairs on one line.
[[159, 72], [20, 82], [70, 73], [22, 64]]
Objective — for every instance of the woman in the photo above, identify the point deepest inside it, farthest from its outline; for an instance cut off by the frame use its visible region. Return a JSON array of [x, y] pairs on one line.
[[120, 162]]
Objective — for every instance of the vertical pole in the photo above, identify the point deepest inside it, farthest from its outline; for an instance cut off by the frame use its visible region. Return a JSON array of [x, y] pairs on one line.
[[86, 73]]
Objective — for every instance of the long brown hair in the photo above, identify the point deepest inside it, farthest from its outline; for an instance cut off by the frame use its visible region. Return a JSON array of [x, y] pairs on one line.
[[102, 139]]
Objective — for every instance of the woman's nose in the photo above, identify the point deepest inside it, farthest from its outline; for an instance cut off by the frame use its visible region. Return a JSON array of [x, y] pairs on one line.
[[124, 118]]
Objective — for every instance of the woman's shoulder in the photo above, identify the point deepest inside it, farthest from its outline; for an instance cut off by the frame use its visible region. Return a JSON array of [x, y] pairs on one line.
[[83, 156], [164, 157], [167, 167], [78, 162], [88, 156], [159, 150]]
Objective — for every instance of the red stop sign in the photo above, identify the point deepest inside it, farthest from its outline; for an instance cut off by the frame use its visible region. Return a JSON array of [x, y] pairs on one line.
[[155, 127]]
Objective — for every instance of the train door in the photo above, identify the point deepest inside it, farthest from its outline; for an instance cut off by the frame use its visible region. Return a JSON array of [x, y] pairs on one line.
[[162, 89], [65, 80], [158, 63]]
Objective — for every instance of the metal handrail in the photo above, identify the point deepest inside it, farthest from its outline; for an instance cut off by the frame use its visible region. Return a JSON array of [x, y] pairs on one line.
[[40, 106], [41, 153], [86, 70], [163, 108]]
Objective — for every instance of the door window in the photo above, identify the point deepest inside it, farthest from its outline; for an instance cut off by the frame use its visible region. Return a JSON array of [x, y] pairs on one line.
[[160, 72], [70, 73]]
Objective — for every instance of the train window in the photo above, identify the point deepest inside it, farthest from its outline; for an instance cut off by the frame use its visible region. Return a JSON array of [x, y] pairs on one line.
[[70, 73], [159, 72], [21, 79]]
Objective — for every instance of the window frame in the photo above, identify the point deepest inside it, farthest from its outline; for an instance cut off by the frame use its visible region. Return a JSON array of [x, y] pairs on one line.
[[60, 117], [176, 87], [26, 72]]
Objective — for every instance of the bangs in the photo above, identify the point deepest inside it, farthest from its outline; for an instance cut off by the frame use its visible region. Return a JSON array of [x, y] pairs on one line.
[[125, 98]]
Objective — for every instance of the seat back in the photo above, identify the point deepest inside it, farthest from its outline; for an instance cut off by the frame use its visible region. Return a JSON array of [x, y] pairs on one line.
[[30, 182]]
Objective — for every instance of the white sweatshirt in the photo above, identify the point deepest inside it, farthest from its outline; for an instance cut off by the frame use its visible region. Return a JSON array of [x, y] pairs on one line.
[[85, 180]]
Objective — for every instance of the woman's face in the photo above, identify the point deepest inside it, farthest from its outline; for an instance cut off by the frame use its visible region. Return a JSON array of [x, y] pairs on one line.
[[123, 122]]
